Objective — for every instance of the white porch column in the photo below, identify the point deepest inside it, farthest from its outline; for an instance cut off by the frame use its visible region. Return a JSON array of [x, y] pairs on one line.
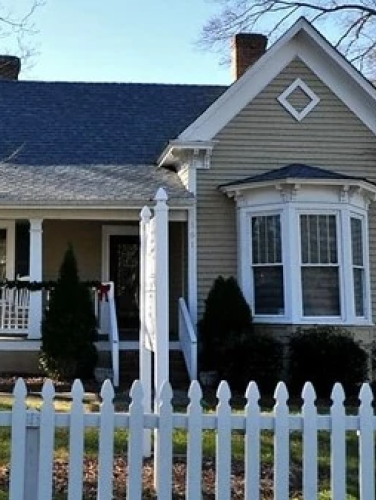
[[192, 263], [35, 272]]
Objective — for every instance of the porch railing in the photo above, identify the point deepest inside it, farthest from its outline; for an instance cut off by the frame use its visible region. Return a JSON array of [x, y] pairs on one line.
[[188, 339], [14, 310], [105, 311]]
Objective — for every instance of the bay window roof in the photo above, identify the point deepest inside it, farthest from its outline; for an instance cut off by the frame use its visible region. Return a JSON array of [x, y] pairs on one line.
[[298, 173]]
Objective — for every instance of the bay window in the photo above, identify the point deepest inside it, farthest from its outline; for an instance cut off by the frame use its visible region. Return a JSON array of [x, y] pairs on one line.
[[303, 250], [303, 253], [308, 266]]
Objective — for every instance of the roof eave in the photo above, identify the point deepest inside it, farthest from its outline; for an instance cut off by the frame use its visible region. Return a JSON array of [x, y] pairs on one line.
[[232, 190], [171, 155]]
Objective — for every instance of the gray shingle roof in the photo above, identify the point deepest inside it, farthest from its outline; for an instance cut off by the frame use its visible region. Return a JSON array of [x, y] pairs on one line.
[[92, 142], [293, 171], [125, 185]]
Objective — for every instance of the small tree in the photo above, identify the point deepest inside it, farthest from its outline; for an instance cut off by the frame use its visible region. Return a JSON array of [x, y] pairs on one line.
[[69, 326], [226, 315]]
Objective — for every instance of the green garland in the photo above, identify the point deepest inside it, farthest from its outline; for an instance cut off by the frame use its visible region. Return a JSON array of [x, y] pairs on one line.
[[36, 286]]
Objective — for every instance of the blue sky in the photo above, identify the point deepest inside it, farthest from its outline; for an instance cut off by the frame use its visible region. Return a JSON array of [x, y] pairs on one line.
[[124, 41]]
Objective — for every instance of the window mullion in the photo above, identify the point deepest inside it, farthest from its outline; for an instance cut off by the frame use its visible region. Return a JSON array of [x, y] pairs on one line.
[[346, 276], [291, 255]]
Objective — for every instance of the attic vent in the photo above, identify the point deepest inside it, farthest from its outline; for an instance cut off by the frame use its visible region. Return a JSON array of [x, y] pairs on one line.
[[298, 99]]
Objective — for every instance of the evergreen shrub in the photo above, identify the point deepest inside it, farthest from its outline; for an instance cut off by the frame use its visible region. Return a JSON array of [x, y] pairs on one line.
[[325, 355], [69, 326], [228, 343]]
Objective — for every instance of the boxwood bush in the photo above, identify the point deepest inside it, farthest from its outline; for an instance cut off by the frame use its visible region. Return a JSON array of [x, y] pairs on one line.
[[325, 355]]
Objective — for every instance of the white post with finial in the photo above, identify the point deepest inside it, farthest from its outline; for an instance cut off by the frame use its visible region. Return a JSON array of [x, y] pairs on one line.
[[145, 354], [161, 349]]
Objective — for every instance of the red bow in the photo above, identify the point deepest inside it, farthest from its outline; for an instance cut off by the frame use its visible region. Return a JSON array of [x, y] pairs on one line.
[[103, 292]]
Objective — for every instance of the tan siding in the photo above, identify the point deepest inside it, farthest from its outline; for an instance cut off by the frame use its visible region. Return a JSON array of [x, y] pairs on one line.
[[86, 238], [264, 136]]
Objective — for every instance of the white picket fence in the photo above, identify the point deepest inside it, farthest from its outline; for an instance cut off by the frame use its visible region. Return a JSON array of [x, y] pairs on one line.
[[32, 442]]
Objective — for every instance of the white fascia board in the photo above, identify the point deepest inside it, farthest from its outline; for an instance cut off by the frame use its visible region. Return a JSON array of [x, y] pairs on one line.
[[235, 189], [317, 53], [342, 79], [241, 92]]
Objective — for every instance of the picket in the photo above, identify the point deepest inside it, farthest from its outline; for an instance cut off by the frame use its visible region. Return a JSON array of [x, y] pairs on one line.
[[46, 442], [18, 459], [223, 443], [136, 424], [281, 443], [366, 445], [338, 444], [106, 442], [76, 442], [309, 413], [29, 454], [194, 444], [252, 443]]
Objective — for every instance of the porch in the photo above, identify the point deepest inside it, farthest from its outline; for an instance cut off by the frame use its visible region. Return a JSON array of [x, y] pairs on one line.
[[106, 250]]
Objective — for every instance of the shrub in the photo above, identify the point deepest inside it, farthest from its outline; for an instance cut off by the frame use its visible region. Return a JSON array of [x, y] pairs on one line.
[[256, 356], [226, 314], [325, 355], [69, 327], [229, 344]]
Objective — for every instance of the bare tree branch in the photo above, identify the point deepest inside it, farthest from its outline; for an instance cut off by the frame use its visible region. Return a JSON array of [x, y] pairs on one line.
[[349, 25], [17, 27]]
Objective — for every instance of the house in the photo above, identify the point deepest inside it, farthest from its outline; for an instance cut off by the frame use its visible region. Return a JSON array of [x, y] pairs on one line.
[[270, 180]]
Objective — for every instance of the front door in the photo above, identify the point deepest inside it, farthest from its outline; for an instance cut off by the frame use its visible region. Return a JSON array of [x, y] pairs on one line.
[[124, 272]]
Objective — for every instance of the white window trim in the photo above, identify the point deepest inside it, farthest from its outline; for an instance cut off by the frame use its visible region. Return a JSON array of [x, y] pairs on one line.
[[291, 255], [312, 319]]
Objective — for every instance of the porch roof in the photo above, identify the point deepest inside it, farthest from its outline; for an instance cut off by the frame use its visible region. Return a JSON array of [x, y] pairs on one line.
[[126, 185]]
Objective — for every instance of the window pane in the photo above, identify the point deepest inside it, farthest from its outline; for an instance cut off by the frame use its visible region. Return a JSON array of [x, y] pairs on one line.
[[320, 290], [356, 242], [266, 240], [358, 291], [318, 234], [268, 287]]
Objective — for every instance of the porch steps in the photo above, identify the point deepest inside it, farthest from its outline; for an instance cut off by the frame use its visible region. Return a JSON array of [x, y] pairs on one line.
[[129, 369]]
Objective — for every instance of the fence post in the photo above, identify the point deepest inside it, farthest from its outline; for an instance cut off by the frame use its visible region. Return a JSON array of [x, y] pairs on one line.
[[32, 455]]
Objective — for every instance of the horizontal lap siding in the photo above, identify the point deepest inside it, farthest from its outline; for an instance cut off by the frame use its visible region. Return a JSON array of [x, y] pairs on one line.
[[264, 136]]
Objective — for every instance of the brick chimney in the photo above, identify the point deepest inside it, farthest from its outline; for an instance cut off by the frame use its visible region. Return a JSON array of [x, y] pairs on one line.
[[247, 49], [9, 67]]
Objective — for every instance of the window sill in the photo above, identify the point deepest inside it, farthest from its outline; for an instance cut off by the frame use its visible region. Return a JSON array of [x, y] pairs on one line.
[[283, 320]]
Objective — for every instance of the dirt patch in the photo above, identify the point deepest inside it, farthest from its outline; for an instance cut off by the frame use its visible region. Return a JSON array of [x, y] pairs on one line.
[[120, 469]]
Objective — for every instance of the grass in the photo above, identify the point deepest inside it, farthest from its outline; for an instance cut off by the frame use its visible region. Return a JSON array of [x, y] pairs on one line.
[[180, 441]]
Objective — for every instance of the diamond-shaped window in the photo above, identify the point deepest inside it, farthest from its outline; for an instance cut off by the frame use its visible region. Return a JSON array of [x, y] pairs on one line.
[[298, 99]]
